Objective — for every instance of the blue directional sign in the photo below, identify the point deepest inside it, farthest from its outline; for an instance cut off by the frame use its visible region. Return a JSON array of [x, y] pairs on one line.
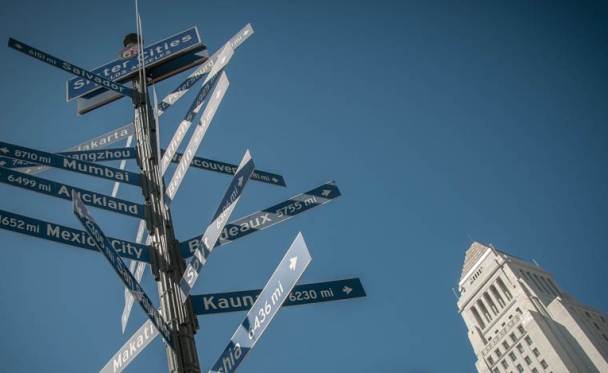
[[230, 169], [222, 214], [93, 144], [268, 217], [105, 247], [64, 191], [206, 67], [71, 68], [67, 163], [273, 295], [120, 70], [68, 236], [100, 155], [319, 292]]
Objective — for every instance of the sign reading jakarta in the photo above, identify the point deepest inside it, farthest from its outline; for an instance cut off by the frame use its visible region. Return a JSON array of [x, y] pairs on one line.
[[121, 69]]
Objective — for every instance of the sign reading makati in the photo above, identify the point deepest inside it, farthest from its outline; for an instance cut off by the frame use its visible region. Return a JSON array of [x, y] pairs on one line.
[[19, 165]]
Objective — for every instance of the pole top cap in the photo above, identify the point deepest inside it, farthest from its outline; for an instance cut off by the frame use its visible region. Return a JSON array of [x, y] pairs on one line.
[[130, 39]]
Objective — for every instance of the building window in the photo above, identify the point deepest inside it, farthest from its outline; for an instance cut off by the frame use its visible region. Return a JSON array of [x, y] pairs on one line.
[[490, 303], [521, 329], [496, 370], [536, 352], [504, 289], [544, 290], [598, 328], [501, 302], [602, 317], [504, 364], [520, 348], [505, 344], [553, 286], [544, 364], [512, 356], [513, 337], [498, 353], [534, 370], [528, 360], [520, 368], [604, 335], [478, 317], [542, 279], [587, 313], [490, 360], [528, 340]]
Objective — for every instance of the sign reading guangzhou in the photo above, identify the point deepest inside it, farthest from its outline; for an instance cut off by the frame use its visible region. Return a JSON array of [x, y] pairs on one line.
[[153, 55]]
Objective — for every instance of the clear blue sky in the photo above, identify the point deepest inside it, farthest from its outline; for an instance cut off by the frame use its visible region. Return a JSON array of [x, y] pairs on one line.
[[437, 120]]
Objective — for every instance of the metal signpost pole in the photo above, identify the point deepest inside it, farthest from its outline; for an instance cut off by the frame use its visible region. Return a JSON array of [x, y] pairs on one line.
[[166, 258]]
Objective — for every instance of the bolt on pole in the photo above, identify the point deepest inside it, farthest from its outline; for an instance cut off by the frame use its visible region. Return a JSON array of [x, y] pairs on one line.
[[167, 263]]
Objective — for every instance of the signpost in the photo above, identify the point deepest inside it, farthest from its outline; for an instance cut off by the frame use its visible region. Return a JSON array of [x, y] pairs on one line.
[[264, 309], [166, 255]]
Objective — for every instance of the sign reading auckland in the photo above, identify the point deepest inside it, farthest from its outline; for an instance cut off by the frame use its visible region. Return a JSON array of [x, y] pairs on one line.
[[122, 69]]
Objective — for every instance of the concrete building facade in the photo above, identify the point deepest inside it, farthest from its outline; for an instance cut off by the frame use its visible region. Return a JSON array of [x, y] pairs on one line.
[[520, 320]]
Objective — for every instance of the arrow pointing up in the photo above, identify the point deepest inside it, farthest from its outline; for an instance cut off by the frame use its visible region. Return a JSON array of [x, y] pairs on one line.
[[240, 181], [292, 263], [325, 192], [347, 290], [246, 32]]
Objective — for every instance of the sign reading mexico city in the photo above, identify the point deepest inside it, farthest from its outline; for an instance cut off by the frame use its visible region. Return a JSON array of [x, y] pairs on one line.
[[152, 55]]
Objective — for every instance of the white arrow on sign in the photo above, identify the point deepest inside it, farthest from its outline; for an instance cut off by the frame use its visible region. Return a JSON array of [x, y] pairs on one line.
[[264, 309], [325, 193], [293, 262], [347, 290]]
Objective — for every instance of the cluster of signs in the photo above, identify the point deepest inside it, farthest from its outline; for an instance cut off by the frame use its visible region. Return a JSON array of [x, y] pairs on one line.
[[109, 82]]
